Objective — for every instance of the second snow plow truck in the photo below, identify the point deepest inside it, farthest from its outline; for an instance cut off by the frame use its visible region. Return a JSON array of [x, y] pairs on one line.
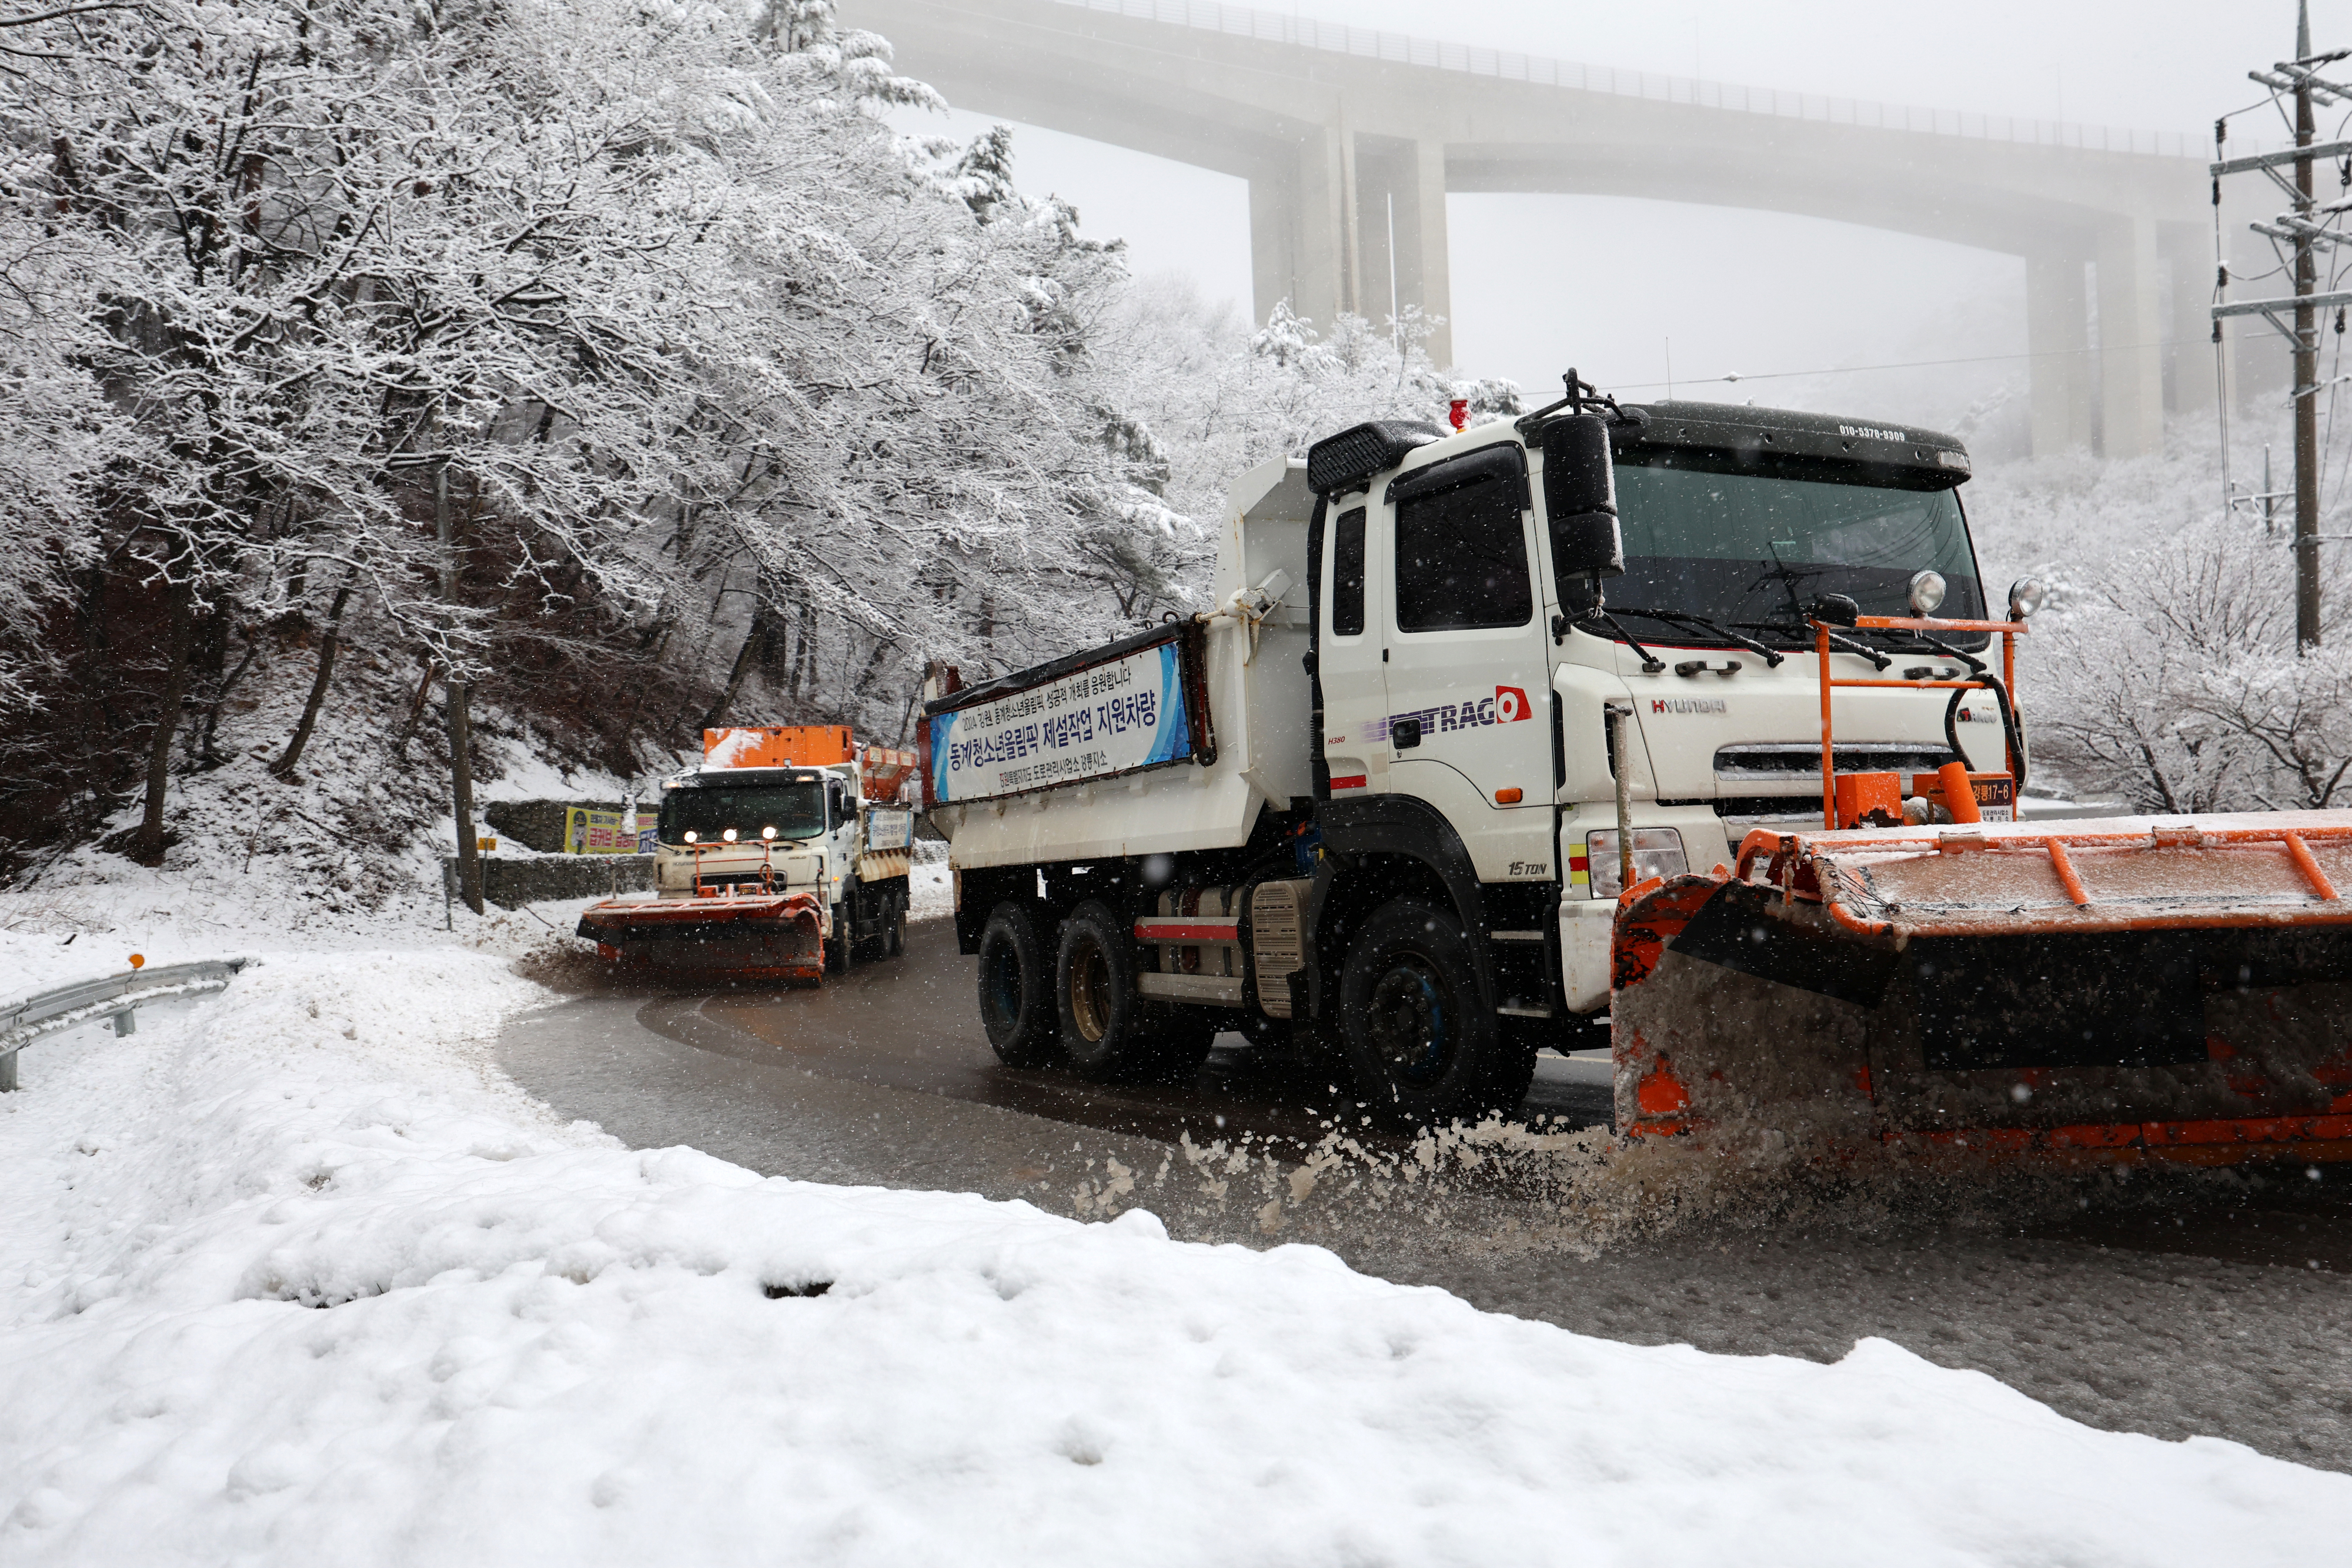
[[783, 856], [1693, 718]]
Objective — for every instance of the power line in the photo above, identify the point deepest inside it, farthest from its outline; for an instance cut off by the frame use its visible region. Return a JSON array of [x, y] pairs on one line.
[[2307, 227], [1906, 365]]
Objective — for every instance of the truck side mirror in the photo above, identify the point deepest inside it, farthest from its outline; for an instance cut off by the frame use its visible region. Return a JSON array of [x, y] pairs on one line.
[[1580, 498], [837, 809]]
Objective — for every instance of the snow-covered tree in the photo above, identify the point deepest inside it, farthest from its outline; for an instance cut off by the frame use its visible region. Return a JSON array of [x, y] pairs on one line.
[[1221, 396], [2175, 684], [642, 311]]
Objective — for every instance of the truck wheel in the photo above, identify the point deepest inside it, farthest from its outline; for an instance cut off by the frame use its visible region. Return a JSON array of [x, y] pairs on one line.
[[841, 952], [894, 930], [1016, 989], [1181, 1037], [1109, 1033], [1420, 1047]]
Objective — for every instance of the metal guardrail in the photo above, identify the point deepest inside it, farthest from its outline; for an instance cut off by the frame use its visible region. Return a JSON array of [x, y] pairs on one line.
[[1372, 43], [118, 996]]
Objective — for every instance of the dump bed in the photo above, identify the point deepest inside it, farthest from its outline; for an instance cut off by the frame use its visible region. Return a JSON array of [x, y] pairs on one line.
[[1169, 740]]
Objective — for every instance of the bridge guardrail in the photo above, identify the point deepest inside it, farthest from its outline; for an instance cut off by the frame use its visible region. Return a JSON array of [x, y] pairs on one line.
[[1405, 48], [116, 996]]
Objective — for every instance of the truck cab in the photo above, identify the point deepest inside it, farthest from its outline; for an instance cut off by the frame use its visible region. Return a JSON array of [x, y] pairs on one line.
[[1467, 667], [752, 819]]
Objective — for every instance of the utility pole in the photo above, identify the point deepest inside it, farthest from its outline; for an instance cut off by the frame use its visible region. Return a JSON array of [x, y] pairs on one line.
[[452, 688], [2306, 357], [2304, 229], [435, 463]]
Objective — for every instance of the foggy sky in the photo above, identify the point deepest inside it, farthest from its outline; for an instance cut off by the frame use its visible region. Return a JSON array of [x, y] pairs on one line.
[[1732, 290]]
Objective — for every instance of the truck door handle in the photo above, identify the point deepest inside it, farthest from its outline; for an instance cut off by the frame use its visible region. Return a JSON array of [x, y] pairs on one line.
[[1405, 734]]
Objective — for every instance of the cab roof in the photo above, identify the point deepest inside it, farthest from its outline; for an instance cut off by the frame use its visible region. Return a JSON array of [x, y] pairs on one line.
[[744, 778], [1871, 451], [1925, 458]]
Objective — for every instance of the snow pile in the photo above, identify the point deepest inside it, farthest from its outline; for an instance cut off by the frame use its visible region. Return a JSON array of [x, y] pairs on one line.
[[930, 884], [289, 1277]]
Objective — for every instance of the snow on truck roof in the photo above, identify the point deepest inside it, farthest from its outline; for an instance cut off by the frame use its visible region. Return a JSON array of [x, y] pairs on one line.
[[726, 778], [1925, 457], [1902, 456]]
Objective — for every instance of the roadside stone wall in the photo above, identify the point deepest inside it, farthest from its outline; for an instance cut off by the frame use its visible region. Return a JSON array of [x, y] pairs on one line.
[[539, 824], [511, 884]]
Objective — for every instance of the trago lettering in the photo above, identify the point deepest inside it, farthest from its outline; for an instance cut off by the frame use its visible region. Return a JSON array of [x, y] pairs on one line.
[[1507, 706]]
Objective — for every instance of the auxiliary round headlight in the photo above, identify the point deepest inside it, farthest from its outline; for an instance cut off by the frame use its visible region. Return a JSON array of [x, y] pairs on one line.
[[767, 833], [691, 835], [728, 835], [2025, 597], [1927, 591]]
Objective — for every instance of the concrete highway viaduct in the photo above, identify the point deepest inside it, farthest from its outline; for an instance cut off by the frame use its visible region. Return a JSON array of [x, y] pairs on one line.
[[1349, 140]]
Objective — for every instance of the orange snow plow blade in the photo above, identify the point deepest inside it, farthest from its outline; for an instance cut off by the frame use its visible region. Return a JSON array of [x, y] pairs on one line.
[[755, 936], [2121, 990]]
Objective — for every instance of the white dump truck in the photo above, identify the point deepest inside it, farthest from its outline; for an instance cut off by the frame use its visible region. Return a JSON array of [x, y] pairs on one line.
[[784, 855], [1370, 804]]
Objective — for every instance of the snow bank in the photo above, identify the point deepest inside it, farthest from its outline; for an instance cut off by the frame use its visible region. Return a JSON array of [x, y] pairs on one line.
[[291, 1277], [930, 889]]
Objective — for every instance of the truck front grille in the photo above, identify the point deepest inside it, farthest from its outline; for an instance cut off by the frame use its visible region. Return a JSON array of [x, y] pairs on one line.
[[739, 879], [1792, 761]]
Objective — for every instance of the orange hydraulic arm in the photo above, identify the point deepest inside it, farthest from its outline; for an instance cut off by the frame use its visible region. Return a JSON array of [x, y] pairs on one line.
[[2008, 630]]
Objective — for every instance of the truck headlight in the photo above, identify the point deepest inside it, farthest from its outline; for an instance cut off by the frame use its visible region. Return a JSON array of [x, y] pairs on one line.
[[692, 836], [2025, 597], [1657, 851], [1927, 591]]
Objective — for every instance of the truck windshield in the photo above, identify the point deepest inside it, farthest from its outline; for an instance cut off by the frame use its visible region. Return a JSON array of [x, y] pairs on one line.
[[794, 810], [1742, 542]]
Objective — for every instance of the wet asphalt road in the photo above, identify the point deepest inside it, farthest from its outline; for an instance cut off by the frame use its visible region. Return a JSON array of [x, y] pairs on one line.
[[2220, 1308]]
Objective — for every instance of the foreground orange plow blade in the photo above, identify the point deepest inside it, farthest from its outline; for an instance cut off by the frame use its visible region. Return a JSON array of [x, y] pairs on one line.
[[2135, 989]]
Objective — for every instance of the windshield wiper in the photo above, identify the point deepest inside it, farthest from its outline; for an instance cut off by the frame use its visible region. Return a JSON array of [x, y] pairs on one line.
[[1772, 657], [1650, 663], [1837, 640]]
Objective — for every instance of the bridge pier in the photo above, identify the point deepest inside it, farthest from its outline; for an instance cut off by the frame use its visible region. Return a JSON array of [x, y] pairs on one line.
[[2188, 253], [2058, 338], [2131, 364], [1346, 220], [1298, 246], [1400, 227], [2113, 396]]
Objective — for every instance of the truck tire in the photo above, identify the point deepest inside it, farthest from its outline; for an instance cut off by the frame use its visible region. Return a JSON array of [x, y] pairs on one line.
[[1016, 989], [1420, 1049], [894, 930], [1180, 1041], [1110, 1034], [841, 951]]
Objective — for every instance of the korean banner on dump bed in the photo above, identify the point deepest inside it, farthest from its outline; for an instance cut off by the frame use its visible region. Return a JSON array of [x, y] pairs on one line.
[[1123, 713]]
